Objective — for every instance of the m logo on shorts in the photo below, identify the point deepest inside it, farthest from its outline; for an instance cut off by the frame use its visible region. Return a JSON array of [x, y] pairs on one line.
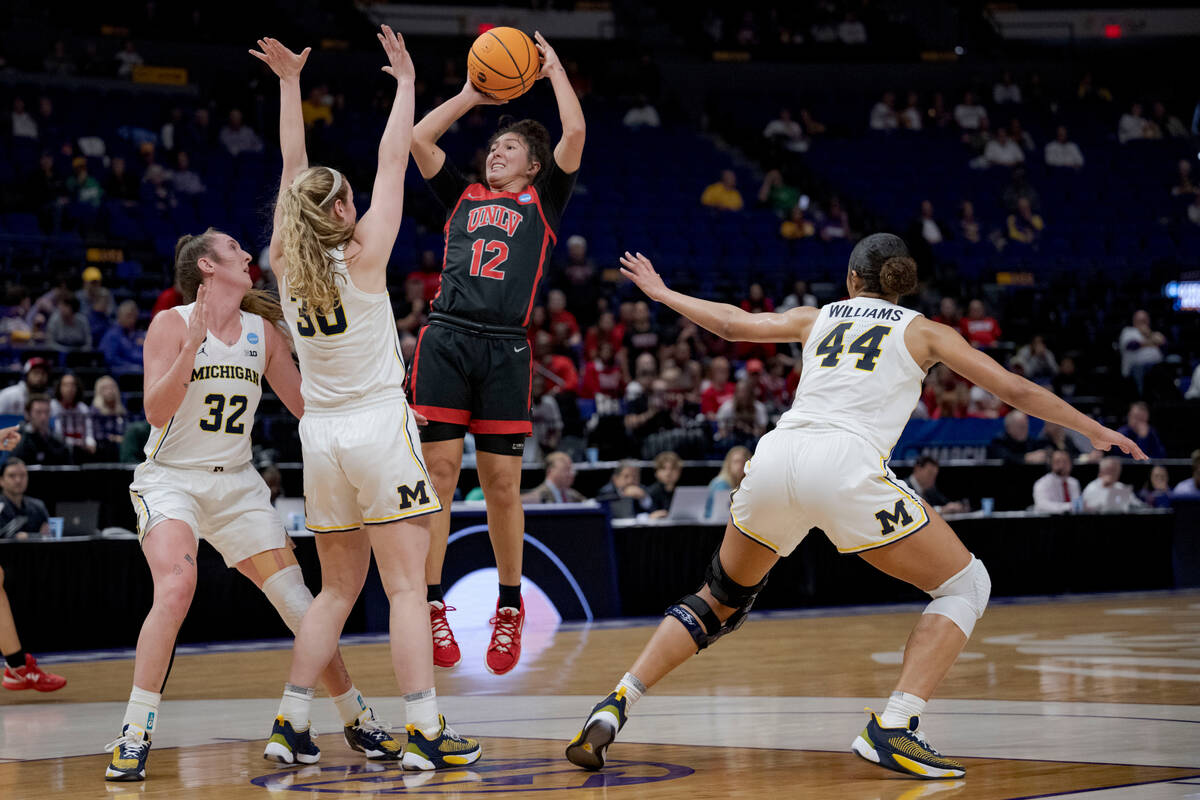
[[888, 520], [410, 493]]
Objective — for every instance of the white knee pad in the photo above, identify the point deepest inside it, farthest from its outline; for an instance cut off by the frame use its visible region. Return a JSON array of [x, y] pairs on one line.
[[287, 592], [963, 597]]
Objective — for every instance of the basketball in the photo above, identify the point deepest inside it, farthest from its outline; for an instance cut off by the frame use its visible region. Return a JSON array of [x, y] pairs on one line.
[[503, 63]]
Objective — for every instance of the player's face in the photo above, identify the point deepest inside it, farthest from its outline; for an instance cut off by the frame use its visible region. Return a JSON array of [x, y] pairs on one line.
[[508, 162], [231, 263]]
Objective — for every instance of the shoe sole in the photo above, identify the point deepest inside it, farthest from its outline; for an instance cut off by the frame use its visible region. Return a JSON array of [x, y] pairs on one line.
[[589, 748], [281, 755], [448, 666], [124, 777], [413, 761], [896, 763]]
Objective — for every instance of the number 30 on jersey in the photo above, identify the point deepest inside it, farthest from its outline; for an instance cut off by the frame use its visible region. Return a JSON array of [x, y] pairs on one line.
[[329, 325]]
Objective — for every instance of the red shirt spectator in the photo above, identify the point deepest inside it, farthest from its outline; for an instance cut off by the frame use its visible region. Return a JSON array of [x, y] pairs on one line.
[[562, 377], [169, 298], [981, 330], [603, 375], [718, 388], [606, 329], [556, 311]]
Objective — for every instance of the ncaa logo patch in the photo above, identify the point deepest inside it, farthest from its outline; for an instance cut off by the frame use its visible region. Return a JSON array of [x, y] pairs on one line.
[[525, 198], [252, 338]]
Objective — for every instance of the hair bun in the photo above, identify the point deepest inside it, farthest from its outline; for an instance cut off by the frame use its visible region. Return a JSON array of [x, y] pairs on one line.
[[898, 276]]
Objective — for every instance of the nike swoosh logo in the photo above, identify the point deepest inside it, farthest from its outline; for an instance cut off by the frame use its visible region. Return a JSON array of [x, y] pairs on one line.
[[519, 349]]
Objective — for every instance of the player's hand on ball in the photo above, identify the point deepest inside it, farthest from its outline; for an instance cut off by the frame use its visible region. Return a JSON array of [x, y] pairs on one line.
[[477, 97], [9, 437], [639, 270], [1108, 438], [400, 64], [550, 60], [283, 62], [197, 322]]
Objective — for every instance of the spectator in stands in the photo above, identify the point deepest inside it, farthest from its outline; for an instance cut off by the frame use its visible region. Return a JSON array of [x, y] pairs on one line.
[[603, 376], [777, 194], [1157, 491], [650, 413], [318, 106], [578, 279], [1137, 427], [742, 419], [625, 482], [923, 481], [925, 228], [969, 114], [410, 310], [133, 443], [733, 470], [812, 126], [50, 128], [1018, 187], [800, 296], [121, 184], [198, 137], [883, 113], [949, 313], [851, 30], [35, 377], [557, 314], [559, 370], [640, 335], [45, 306], [1002, 151], [1107, 493], [67, 328], [1170, 126], [22, 125], [723, 195], [1006, 90], [109, 418], [796, 226], [94, 297], [171, 129], [911, 117], [1062, 152], [1015, 446], [1088, 92], [70, 417], [937, 115], [1036, 361], [185, 180], [1021, 136], [668, 468], [718, 388], [1056, 492], [1133, 125], [786, 133], [560, 474], [645, 370], [1141, 349], [83, 188], [1184, 186], [45, 193], [170, 297], [606, 329], [21, 516], [1190, 487], [969, 229], [122, 343], [157, 193], [643, 114], [756, 300], [547, 421], [237, 137], [835, 224], [980, 329], [1066, 382], [39, 443], [1025, 227], [127, 59]]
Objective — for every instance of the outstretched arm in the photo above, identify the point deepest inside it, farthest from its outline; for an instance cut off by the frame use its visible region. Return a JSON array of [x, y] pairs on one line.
[[930, 342], [425, 151], [728, 322], [376, 231], [287, 65], [281, 371], [569, 150]]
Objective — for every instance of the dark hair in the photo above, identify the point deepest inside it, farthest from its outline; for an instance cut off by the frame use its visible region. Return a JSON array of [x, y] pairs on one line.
[[883, 262], [78, 387], [535, 136], [925, 460], [188, 252], [70, 301], [11, 461], [35, 398]]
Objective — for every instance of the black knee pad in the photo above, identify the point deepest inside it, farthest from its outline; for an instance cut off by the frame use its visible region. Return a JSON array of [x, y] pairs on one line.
[[698, 617]]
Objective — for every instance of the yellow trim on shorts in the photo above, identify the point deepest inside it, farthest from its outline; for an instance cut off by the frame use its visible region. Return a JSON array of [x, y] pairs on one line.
[[146, 508], [915, 526], [408, 515], [760, 539], [162, 437], [331, 528], [408, 441]]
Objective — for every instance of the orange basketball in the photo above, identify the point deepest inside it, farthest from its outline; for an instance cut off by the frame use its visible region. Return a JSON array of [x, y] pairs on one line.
[[503, 63]]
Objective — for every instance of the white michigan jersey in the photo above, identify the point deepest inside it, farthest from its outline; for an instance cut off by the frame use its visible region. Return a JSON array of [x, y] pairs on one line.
[[212, 426], [351, 356], [858, 374]]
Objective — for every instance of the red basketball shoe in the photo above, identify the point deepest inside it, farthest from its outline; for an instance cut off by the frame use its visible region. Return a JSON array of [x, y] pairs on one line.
[[445, 649], [505, 649], [31, 676]]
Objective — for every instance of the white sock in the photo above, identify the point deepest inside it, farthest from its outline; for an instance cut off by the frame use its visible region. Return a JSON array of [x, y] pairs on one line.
[[634, 689], [901, 707], [295, 706], [350, 705], [142, 709], [421, 710]]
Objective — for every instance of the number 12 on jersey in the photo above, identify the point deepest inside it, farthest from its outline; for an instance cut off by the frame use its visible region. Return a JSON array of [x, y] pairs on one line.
[[868, 346], [487, 269]]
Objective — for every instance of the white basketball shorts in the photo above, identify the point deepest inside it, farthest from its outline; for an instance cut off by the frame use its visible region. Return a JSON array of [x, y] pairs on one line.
[[802, 478], [230, 509], [363, 467]]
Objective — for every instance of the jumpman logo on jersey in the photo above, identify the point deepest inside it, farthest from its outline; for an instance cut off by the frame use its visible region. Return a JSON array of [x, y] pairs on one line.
[[202, 351]]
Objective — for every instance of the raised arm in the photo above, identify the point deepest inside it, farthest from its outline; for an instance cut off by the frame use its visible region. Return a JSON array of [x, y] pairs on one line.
[[931, 342], [425, 151], [728, 322], [569, 150], [376, 232], [168, 356], [287, 65], [281, 371]]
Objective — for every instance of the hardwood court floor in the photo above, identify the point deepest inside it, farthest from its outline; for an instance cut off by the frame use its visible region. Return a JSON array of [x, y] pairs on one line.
[[1097, 697]]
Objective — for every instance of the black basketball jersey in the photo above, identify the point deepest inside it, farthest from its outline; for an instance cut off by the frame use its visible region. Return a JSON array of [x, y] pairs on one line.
[[497, 244]]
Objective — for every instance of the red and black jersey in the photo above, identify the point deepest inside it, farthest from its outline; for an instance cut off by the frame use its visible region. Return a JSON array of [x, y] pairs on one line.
[[497, 244]]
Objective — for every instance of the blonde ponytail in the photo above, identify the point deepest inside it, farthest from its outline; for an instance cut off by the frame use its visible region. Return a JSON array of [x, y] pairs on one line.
[[308, 232]]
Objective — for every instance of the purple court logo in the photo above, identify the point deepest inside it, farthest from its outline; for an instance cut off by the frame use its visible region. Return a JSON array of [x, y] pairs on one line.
[[520, 775], [525, 198]]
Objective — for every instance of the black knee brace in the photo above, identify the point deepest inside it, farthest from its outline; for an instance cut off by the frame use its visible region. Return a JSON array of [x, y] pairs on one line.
[[700, 620]]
